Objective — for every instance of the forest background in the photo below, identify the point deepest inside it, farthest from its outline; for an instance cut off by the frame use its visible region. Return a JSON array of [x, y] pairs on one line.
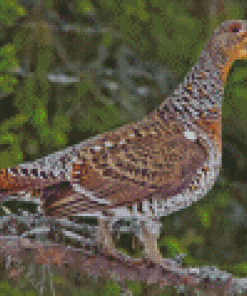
[[72, 69]]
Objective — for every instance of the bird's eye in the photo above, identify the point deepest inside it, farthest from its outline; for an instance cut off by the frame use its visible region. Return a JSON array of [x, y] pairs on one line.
[[235, 28]]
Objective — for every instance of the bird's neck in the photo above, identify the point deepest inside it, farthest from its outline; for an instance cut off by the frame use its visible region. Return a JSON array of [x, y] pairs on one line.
[[202, 91]]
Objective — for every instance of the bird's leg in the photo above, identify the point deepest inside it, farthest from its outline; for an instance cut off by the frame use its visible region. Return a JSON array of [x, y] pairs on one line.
[[136, 244], [149, 240], [104, 236]]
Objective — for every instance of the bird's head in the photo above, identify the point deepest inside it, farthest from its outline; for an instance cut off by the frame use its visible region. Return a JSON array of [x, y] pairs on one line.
[[227, 44], [230, 40]]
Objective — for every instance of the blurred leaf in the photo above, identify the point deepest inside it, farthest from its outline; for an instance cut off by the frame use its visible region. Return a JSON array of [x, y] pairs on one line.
[[62, 122], [100, 118], [238, 269], [7, 83], [222, 199], [10, 11], [226, 110], [40, 115], [234, 11], [4, 286], [205, 217], [52, 138], [85, 7], [136, 287], [60, 139], [110, 289], [25, 99], [240, 74], [13, 154], [237, 89], [107, 39], [13, 123], [8, 61], [191, 237], [58, 279], [137, 8], [44, 58], [8, 52], [30, 293], [174, 245], [32, 147]]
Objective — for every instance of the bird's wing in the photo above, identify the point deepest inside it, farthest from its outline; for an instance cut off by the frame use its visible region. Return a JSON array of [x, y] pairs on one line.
[[138, 161]]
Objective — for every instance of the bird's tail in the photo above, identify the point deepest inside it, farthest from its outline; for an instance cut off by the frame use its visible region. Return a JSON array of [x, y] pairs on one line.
[[14, 180], [10, 182]]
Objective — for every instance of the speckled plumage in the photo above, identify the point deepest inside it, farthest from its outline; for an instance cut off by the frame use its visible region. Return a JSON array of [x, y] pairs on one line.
[[148, 169]]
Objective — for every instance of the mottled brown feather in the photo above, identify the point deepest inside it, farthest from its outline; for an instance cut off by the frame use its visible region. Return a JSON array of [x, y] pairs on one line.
[[158, 161]]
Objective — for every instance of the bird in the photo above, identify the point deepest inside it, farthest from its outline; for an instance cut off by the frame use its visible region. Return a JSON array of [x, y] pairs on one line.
[[145, 170]]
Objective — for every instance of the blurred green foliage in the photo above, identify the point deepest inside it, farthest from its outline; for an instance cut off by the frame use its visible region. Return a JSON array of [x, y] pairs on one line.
[[7, 289], [10, 11], [237, 90], [7, 62]]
